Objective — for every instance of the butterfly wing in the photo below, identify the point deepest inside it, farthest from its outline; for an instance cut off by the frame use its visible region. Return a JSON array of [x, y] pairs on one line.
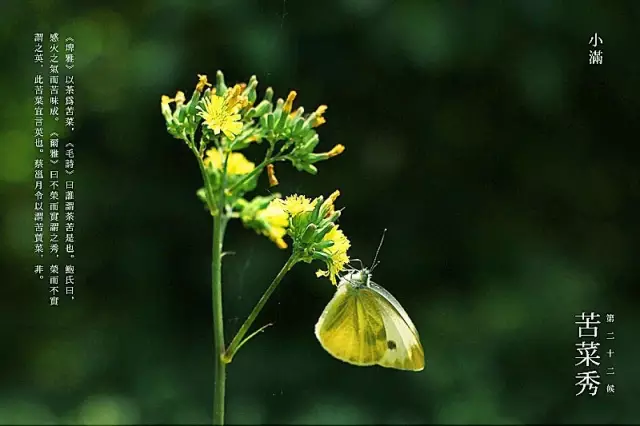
[[403, 348], [351, 327]]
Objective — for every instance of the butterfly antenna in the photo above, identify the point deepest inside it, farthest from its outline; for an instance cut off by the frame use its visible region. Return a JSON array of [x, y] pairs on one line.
[[375, 258], [351, 265]]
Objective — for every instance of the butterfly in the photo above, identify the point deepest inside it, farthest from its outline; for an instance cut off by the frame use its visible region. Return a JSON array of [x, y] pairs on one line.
[[363, 324]]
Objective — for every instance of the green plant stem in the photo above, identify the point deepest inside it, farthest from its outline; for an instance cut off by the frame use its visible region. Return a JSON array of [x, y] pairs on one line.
[[267, 160], [249, 175], [205, 178], [238, 339], [218, 325], [219, 225], [220, 372]]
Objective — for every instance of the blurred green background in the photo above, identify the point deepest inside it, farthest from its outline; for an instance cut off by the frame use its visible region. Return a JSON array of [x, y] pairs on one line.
[[504, 166]]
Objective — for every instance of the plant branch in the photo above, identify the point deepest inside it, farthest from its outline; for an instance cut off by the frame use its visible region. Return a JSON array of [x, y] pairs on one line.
[[205, 177], [268, 159], [238, 339]]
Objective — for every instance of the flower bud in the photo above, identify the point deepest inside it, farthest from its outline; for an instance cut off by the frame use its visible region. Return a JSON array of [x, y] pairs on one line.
[[263, 108], [251, 113], [315, 214], [327, 208], [268, 94], [323, 245], [282, 121], [193, 103], [289, 103], [221, 87], [297, 113], [309, 233], [165, 108], [309, 168], [310, 141], [271, 121], [326, 227], [271, 174], [322, 256], [263, 121], [309, 122], [180, 114], [297, 122], [277, 113], [250, 92]]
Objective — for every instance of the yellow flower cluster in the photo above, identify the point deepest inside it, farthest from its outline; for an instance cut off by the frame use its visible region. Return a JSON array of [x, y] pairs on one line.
[[337, 254], [276, 221], [237, 164], [294, 205]]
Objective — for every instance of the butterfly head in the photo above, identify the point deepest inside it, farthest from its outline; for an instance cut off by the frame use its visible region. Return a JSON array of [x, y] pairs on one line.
[[357, 278], [361, 277]]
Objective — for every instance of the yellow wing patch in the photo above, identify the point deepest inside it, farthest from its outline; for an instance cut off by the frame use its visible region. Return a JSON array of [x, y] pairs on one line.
[[368, 326], [351, 329], [404, 350]]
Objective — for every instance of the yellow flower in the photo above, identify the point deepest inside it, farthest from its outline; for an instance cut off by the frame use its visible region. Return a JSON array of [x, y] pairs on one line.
[[234, 96], [180, 99], [165, 100], [337, 254], [319, 116], [275, 221], [202, 82], [295, 204], [336, 150], [220, 113], [289, 102], [328, 206], [237, 164], [166, 109]]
